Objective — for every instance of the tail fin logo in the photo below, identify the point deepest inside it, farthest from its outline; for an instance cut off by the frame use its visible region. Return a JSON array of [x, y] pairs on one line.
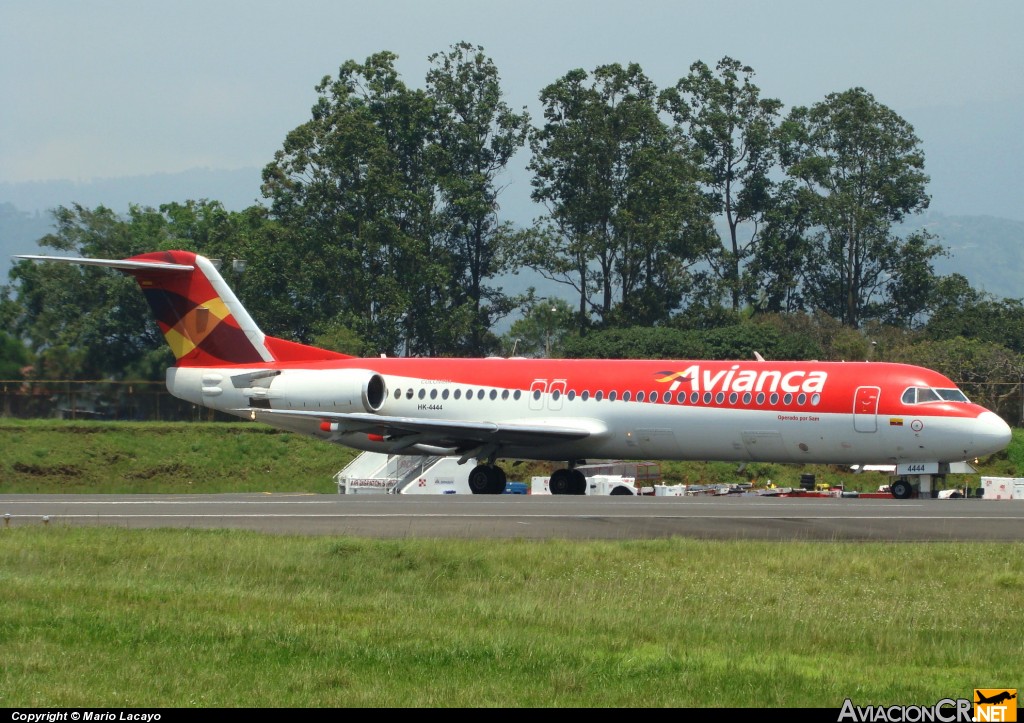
[[200, 327], [195, 313]]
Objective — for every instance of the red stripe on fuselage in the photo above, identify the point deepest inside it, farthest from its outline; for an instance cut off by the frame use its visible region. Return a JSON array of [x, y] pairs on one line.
[[835, 382]]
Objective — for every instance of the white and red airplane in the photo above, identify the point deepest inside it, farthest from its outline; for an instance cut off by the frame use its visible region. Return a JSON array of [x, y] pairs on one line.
[[566, 410]]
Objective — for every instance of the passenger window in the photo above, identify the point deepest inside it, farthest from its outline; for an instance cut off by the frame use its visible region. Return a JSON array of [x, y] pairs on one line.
[[639, 396], [625, 396]]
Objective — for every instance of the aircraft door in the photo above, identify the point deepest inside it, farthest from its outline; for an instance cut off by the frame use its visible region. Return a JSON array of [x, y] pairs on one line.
[[865, 409], [557, 391]]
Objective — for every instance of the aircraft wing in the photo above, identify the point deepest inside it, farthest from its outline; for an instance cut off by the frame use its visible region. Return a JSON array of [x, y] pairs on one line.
[[453, 434]]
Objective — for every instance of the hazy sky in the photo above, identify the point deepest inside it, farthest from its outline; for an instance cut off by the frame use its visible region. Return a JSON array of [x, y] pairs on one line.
[[106, 88]]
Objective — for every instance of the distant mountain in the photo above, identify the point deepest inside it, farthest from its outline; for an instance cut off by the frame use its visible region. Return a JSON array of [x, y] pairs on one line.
[[236, 189], [25, 207], [987, 250]]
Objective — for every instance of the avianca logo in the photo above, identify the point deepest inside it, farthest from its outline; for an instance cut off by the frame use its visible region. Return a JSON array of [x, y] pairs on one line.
[[744, 380]]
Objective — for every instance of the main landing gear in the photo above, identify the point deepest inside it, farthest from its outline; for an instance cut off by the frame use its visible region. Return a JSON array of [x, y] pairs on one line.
[[489, 479], [567, 481]]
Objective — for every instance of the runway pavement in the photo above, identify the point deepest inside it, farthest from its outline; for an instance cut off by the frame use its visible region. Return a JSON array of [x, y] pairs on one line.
[[536, 516]]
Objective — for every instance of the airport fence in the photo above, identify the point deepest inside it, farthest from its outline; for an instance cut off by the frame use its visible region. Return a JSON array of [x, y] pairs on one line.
[[105, 400]]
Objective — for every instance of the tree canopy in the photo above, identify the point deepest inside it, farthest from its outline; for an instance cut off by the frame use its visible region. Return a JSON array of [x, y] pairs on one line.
[[693, 220]]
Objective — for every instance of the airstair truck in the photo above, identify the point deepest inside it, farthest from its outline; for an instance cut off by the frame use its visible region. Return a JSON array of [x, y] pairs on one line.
[[379, 473]]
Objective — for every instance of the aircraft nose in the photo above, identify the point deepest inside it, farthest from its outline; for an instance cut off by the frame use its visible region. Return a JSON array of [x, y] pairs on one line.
[[991, 434]]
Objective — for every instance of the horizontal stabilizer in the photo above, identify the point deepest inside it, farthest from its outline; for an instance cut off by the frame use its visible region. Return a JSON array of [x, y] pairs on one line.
[[113, 263]]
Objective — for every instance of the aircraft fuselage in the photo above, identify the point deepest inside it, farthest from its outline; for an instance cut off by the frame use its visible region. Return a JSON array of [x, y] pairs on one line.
[[809, 412]]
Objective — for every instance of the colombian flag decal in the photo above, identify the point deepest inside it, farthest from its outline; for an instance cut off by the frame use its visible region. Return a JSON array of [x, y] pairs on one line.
[[895, 421]]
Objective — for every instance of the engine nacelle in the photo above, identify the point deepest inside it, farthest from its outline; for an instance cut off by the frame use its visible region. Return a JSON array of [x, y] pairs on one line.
[[336, 390]]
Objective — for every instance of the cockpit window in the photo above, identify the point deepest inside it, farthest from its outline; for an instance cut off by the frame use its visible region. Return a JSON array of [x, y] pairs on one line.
[[921, 395], [952, 395], [927, 394]]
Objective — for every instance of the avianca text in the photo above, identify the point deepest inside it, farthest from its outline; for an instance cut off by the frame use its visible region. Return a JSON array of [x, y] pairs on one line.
[[749, 380]]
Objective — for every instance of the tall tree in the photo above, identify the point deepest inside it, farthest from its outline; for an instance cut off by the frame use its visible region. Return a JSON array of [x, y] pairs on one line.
[[477, 134], [625, 216], [733, 127], [860, 170], [960, 310], [781, 253], [353, 189], [545, 323], [117, 335]]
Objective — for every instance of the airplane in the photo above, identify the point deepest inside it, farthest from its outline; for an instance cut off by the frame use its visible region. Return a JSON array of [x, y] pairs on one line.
[[560, 410], [996, 699]]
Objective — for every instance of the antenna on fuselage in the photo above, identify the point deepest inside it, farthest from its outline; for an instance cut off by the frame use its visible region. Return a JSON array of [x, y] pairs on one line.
[[757, 355]]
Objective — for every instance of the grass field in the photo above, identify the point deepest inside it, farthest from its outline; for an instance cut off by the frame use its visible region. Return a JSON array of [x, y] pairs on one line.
[[41, 456], [106, 617], [110, 617]]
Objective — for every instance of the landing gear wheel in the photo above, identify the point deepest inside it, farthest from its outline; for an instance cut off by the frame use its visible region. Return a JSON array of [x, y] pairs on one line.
[[902, 489], [560, 482], [486, 479], [578, 485]]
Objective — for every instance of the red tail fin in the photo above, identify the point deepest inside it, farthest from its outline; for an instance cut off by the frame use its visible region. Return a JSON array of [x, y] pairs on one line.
[[201, 318]]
